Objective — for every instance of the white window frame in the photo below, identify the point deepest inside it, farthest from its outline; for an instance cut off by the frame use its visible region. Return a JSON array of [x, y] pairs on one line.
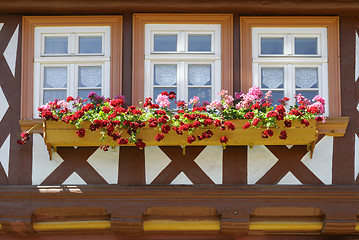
[[289, 60], [182, 57], [72, 60]]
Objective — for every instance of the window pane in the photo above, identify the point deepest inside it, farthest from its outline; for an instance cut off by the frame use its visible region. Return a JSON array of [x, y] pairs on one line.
[[83, 93], [56, 45], [199, 74], [276, 95], [273, 45], [50, 95], [200, 43], [90, 76], [305, 45], [204, 94], [55, 77], [166, 42], [308, 94], [165, 74], [306, 77], [90, 44], [272, 78], [158, 90]]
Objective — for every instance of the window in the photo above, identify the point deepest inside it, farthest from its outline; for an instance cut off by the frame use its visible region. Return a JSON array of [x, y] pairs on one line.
[[184, 58], [190, 54], [71, 61], [290, 55], [290, 61], [65, 56]]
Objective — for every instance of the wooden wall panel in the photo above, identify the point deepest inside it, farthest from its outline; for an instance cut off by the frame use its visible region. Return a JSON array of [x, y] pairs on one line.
[[20, 167], [343, 154]]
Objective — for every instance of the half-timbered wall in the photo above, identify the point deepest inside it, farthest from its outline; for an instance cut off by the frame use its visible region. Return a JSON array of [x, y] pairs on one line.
[[334, 168]]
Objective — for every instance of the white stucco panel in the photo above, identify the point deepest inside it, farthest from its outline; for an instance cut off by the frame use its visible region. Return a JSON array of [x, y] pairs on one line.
[[289, 179], [41, 164], [4, 104], [11, 51], [74, 179], [322, 161], [181, 179], [260, 160], [106, 163], [155, 162], [210, 161], [5, 154]]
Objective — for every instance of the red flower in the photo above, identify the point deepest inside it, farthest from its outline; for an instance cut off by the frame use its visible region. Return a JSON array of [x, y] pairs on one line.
[[152, 122], [256, 106], [122, 141], [104, 148], [288, 123], [272, 114], [267, 133], [246, 125], [283, 135], [106, 109], [196, 124], [319, 119], [249, 115], [191, 139], [80, 132], [181, 104], [255, 121], [140, 144], [165, 128], [159, 137], [305, 122], [230, 125], [25, 136], [69, 99], [208, 121], [223, 139]]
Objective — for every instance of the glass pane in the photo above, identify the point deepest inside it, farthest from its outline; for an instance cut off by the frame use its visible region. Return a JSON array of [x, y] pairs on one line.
[[83, 93], [55, 77], [158, 90], [56, 45], [165, 42], [308, 94], [305, 45], [90, 44], [165, 74], [273, 45], [204, 94], [90, 76], [50, 95], [272, 78], [199, 43], [199, 74], [306, 77], [276, 95]]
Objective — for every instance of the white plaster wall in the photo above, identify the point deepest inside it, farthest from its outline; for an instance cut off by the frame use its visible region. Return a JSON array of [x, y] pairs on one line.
[[5, 154]]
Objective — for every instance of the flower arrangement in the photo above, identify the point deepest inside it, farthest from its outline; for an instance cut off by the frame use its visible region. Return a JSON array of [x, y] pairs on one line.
[[111, 118]]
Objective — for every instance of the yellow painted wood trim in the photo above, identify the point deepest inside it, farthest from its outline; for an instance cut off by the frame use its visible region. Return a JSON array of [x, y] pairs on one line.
[[357, 227], [172, 225], [285, 226], [334, 126], [0, 227], [71, 225]]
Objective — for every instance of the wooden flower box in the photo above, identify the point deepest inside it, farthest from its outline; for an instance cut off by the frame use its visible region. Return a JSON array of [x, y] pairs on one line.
[[59, 134]]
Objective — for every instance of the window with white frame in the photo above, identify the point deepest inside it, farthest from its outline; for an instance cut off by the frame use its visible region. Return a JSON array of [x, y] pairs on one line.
[[290, 61], [184, 58], [71, 61]]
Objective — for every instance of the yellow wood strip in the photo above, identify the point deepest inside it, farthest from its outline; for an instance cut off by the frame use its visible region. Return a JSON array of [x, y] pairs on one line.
[[173, 225], [71, 225], [285, 226]]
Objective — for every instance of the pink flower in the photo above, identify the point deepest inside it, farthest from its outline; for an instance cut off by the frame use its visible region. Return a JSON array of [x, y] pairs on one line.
[[194, 100], [216, 105], [163, 101]]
